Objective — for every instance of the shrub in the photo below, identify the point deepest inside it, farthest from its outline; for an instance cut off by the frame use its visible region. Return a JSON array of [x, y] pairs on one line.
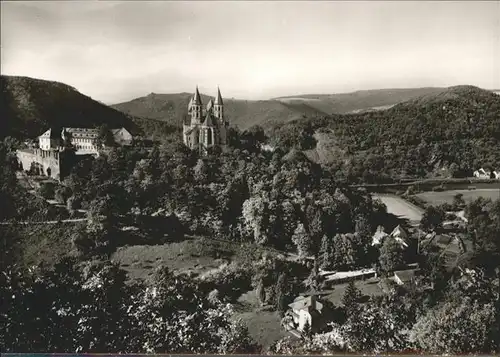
[[62, 194], [47, 190]]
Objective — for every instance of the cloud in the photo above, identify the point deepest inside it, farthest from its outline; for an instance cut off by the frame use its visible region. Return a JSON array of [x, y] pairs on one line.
[[111, 50]]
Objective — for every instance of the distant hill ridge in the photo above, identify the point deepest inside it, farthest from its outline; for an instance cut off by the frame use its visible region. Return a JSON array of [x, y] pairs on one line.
[[28, 106], [172, 108], [245, 113]]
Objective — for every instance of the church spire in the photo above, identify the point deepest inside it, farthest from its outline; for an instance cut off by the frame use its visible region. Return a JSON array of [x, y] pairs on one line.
[[218, 99], [197, 97]]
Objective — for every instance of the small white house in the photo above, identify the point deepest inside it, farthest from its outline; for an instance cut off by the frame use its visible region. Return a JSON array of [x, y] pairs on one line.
[[306, 311], [482, 173]]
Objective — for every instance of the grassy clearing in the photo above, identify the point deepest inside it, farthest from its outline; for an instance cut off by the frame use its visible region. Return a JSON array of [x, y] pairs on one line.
[[192, 256], [41, 245], [188, 256], [263, 325], [437, 198], [368, 287]]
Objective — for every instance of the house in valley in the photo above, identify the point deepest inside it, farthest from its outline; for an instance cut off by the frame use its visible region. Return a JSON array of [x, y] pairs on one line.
[[483, 174], [399, 234], [306, 311]]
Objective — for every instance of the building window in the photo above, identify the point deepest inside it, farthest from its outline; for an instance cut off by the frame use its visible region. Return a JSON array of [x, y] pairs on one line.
[[209, 136]]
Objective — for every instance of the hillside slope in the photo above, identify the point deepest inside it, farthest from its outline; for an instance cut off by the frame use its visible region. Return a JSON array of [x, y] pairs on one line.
[[456, 129], [360, 100], [28, 106], [172, 108]]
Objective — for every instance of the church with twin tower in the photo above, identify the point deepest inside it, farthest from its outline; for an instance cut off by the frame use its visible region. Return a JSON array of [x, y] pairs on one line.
[[207, 127]]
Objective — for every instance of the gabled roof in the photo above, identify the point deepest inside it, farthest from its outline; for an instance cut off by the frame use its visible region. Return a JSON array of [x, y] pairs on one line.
[[197, 98], [483, 171], [209, 120], [190, 104], [52, 133], [399, 232], [190, 130], [306, 303], [210, 105], [116, 131], [406, 275], [218, 99]]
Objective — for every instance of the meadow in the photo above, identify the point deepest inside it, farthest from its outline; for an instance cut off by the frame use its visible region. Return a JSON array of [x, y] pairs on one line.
[[438, 198]]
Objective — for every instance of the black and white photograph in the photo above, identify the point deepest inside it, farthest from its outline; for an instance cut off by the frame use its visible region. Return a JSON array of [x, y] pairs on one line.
[[250, 177]]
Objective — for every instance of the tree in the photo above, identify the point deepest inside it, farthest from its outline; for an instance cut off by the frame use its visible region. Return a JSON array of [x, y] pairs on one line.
[[302, 240], [351, 299], [62, 194], [327, 252], [47, 190], [457, 327], [391, 255], [260, 291], [104, 136], [281, 293], [458, 201], [433, 218]]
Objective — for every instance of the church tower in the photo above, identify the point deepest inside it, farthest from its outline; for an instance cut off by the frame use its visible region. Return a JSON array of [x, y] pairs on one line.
[[196, 106], [207, 127], [219, 106]]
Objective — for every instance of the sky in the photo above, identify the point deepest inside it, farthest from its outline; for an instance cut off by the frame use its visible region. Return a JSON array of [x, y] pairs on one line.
[[117, 51]]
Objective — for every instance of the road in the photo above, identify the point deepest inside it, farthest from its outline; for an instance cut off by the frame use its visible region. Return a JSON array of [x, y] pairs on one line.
[[400, 207], [71, 220]]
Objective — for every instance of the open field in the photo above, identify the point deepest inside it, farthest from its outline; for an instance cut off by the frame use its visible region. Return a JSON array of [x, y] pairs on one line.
[[188, 256], [263, 325], [368, 287], [437, 198], [400, 207]]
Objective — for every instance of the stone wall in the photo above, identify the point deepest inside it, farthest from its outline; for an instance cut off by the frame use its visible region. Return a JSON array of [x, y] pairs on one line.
[[44, 162]]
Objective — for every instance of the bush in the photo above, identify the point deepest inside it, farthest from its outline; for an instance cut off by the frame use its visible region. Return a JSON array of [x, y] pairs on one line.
[[62, 194], [47, 190], [73, 203]]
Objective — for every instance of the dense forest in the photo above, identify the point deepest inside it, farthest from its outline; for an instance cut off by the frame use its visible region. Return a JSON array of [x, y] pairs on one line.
[[451, 133]]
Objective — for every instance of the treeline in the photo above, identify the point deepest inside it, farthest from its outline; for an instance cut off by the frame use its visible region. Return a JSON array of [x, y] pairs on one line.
[[458, 131]]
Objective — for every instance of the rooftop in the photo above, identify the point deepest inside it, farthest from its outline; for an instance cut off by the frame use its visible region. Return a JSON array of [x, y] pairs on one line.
[[304, 303], [406, 275]]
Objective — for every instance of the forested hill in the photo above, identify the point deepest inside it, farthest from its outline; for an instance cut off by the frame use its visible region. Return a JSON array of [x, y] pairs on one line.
[[362, 100], [457, 129], [172, 108], [28, 106]]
